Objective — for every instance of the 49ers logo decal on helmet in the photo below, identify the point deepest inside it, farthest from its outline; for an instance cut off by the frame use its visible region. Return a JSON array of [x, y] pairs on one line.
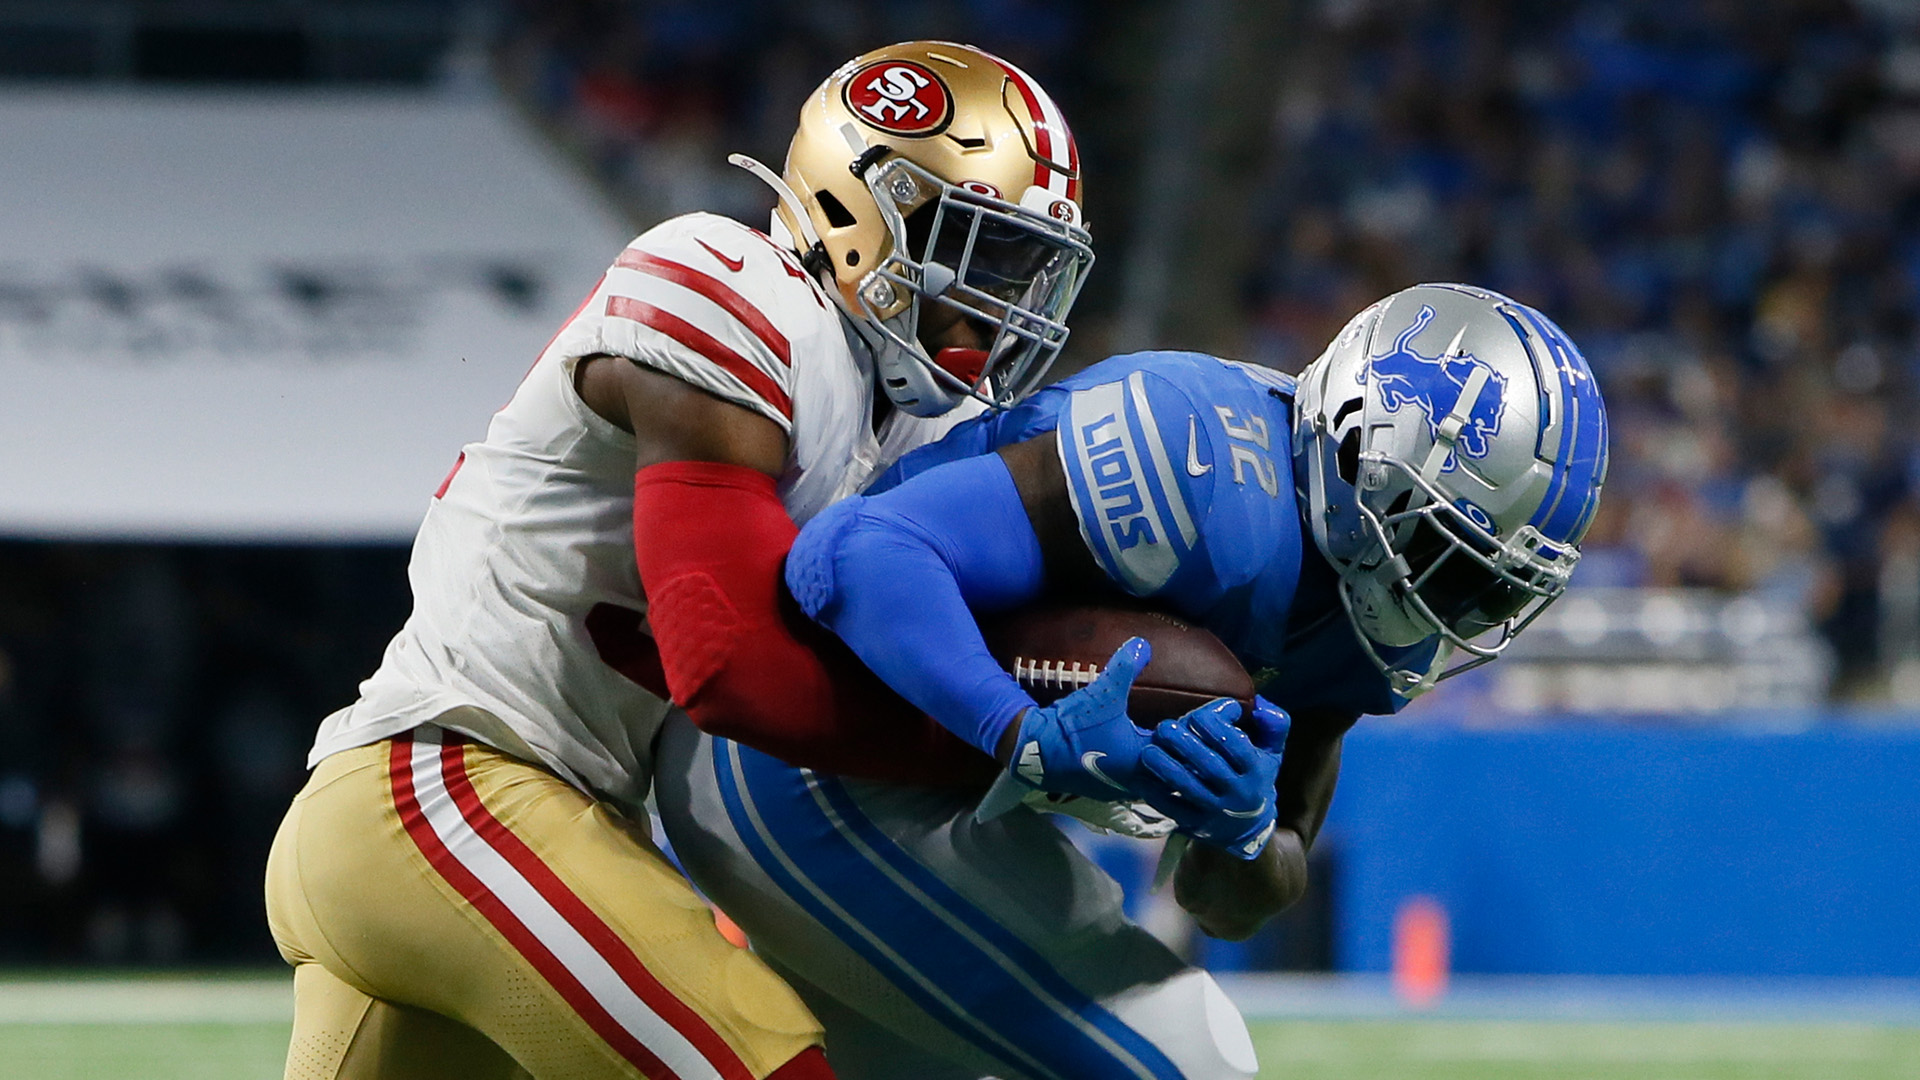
[[900, 97]]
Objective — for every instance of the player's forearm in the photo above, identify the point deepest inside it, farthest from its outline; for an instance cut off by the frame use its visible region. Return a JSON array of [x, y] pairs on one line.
[[897, 576], [827, 711], [736, 655], [1309, 770], [1232, 898]]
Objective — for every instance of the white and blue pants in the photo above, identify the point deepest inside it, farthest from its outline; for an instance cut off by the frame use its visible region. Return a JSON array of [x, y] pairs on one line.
[[931, 946]]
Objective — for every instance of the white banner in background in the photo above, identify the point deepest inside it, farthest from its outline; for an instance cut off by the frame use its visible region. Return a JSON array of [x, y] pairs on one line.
[[267, 316]]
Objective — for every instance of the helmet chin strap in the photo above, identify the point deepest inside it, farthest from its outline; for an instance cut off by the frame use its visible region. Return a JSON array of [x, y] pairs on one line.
[[1407, 682], [1410, 684]]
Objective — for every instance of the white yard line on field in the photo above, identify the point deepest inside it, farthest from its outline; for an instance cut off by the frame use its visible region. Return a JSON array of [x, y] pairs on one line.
[[157, 999], [267, 997]]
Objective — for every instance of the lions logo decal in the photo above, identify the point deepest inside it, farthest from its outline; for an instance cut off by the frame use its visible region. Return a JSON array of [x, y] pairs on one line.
[[900, 97], [1434, 383]]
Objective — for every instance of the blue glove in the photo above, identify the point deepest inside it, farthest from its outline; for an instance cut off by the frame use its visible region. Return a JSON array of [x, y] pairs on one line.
[[1223, 778], [1083, 744], [1268, 725]]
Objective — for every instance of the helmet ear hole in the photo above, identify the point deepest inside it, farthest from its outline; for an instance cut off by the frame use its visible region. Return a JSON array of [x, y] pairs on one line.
[[1347, 458], [837, 213]]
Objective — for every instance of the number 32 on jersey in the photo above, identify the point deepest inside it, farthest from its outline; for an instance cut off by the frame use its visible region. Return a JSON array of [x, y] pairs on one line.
[[1244, 436]]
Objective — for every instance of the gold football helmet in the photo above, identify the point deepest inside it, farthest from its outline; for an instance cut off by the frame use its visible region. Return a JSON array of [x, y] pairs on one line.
[[930, 171]]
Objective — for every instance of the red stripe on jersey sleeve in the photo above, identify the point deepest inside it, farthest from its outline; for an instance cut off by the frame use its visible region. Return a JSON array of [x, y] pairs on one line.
[[451, 473], [684, 332], [715, 290]]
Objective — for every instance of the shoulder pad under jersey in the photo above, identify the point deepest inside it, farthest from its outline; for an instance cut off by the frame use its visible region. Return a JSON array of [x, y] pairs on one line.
[[1280, 381], [1176, 465], [715, 303]]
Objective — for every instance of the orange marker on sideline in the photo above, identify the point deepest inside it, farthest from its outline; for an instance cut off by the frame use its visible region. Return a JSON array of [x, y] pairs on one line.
[[1421, 947], [729, 929]]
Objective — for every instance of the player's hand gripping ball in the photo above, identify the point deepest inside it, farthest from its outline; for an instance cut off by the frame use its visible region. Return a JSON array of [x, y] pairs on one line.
[[1099, 672], [1224, 777], [1083, 744]]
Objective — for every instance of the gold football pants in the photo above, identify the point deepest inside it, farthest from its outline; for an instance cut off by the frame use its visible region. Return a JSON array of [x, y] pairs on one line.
[[452, 912]]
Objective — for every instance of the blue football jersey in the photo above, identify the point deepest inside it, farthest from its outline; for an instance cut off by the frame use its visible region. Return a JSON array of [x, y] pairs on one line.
[[1181, 477]]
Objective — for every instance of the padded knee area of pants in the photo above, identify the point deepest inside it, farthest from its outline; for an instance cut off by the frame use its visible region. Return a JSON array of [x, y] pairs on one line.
[[1229, 1029], [1194, 1023], [400, 1043]]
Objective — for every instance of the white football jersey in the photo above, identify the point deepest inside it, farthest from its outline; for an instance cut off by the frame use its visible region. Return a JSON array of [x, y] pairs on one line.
[[531, 539]]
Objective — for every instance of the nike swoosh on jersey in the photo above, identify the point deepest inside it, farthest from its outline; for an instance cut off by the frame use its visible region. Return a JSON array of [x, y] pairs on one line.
[[731, 264], [1090, 761], [1194, 467]]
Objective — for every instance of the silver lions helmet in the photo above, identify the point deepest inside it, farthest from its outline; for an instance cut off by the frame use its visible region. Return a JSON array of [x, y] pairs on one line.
[[1450, 450]]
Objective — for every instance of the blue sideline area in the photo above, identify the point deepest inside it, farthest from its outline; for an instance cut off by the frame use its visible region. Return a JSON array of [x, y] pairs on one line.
[[1590, 847], [1584, 998]]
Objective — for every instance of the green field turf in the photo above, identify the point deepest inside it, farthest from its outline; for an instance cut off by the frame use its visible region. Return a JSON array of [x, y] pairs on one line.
[[1533, 1050], [1289, 1050], [144, 1051]]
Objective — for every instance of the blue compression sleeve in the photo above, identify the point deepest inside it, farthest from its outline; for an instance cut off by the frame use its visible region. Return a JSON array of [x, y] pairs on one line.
[[898, 576]]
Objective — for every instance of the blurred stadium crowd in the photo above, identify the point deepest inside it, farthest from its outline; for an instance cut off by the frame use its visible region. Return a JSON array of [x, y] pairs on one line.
[[1720, 200], [654, 96]]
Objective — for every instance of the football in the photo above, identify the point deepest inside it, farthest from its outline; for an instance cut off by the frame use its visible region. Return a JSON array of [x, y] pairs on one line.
[[1055, 650]]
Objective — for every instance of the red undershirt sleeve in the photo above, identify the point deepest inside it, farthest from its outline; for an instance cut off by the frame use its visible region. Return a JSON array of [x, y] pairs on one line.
[[741, 658]]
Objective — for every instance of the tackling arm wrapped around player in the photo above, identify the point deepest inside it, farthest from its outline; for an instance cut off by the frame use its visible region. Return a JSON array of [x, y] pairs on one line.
[[710, 535], [981, 534], [958, 539]]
